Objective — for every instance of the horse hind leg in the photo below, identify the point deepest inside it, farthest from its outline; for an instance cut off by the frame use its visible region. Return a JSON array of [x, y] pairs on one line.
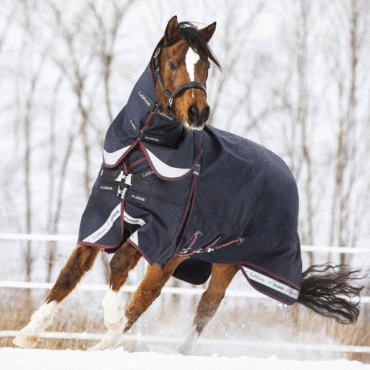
[[124, 260], [211, 299], [80, 261]]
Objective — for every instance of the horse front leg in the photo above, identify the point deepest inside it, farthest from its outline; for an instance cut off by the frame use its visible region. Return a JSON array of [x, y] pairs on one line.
[[211, 299], [80, 261], [149, 289], [124, 260]]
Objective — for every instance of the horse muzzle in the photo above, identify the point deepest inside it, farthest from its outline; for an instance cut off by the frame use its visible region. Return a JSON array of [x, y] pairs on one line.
[[197, 118]]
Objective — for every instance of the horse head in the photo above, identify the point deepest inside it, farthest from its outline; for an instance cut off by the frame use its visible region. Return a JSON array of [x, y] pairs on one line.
[[180, 67]]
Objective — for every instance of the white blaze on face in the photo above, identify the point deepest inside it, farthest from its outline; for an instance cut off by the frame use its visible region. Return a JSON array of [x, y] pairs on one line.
[[191, 59]]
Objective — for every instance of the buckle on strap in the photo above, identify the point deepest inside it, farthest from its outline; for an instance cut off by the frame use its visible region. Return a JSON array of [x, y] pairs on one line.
[[122, 176], [122, 193], [196, 169], [128, 182]]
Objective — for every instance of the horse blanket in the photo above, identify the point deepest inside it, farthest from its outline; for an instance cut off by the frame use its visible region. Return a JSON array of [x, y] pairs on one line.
[[209, 195]]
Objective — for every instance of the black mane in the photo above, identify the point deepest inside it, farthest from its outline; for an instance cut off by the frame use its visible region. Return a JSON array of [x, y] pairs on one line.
[[193, 38]]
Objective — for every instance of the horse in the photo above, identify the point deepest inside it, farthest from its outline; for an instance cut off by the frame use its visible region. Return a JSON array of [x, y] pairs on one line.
[[195, 238]]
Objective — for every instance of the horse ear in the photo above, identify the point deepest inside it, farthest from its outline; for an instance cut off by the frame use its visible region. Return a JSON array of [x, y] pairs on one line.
[[208, 32], [172, 30]]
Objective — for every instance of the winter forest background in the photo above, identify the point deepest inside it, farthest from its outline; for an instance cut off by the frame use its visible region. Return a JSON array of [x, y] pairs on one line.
[[295, 79]]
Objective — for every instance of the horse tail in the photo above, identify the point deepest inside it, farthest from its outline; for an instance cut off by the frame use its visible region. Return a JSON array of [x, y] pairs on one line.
[[329, 291]]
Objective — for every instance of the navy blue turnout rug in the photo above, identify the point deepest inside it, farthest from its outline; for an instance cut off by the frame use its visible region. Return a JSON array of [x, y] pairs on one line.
[[209, 195]]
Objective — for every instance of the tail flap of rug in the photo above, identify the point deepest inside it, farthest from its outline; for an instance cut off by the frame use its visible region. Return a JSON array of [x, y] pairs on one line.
[[271, 285]]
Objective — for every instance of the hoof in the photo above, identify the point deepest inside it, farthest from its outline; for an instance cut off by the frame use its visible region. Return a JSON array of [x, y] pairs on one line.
[[111, 340], [188, 346], [185, 350], [25, 341]]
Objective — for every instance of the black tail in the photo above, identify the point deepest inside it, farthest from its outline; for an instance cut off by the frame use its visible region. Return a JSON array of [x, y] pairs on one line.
[[328, 290]]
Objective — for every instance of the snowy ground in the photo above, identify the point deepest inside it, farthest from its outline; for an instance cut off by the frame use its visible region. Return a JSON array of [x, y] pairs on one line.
[[18, 359]]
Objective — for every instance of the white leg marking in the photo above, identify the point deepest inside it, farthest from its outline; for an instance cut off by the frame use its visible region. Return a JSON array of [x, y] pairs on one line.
[[188, 346], [111, 340], [113, 308], [40, 320], [191, 59], [114, 319]]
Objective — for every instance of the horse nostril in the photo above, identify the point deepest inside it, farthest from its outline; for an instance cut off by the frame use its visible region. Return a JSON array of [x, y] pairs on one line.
[[205, 114], [193, 113]]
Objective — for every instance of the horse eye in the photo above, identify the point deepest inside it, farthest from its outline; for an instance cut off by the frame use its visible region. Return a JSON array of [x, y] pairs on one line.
[[172, 65]]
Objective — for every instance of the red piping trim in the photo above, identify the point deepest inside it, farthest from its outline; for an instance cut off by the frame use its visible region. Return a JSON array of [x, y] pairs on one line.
[[142, 146], [148, 121], [124, 167], [140, 251], [251, 282], [144, 255], [190, 212], [104, 246], [195, 238], [132, 165], [122, 156], [212, 244], [206, 249], [267, 272], [188, 208]]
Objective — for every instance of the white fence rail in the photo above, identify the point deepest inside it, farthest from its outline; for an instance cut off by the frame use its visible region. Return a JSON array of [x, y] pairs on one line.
[[202, 341], [42, 237], [125, 288], [132, 288], [73, 238], [180, 291]]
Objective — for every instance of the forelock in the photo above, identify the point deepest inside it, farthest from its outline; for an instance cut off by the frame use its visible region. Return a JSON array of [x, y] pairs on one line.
[[193, 38]]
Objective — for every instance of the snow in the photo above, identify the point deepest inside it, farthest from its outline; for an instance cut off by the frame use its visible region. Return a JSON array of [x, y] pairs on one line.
[[19, 359]]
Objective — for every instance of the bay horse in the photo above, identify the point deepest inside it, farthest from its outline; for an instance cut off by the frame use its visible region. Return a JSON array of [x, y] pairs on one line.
[[160, 142]]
